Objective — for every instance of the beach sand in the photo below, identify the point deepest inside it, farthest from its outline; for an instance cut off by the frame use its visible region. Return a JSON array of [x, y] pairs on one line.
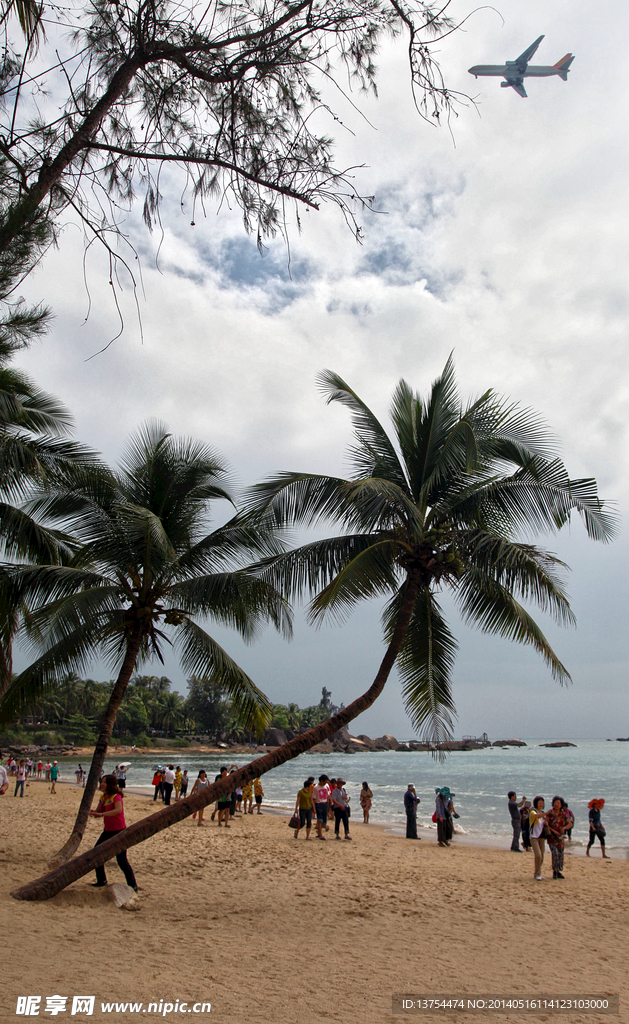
[[269, 929]]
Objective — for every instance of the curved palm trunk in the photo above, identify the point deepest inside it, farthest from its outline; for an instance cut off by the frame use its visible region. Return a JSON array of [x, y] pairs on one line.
[[100, 752], [52, 883]]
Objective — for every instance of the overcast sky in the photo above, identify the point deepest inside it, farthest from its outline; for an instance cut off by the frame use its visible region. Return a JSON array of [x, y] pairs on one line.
[[505, 241]]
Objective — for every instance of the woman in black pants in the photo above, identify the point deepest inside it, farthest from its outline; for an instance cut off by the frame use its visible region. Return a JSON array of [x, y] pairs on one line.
[[110, 809]]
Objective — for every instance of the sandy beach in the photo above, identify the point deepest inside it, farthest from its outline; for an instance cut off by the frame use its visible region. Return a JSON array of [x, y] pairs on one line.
[[267, 928]]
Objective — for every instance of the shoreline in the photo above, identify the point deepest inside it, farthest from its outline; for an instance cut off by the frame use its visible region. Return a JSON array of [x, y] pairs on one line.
[[395, 831]]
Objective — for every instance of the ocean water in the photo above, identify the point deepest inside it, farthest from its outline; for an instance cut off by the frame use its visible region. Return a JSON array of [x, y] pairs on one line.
[[479, 778]]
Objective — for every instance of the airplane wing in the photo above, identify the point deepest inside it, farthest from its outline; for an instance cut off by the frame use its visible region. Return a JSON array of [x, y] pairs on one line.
[[525, 57], [519, 87]]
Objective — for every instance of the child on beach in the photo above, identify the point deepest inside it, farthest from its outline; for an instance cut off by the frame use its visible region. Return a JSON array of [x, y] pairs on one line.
[[247, 798], [177, 782], [258, 793]]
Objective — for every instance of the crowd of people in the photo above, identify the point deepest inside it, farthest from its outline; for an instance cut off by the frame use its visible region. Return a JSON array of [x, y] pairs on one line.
[[534, 827], [24, 768]]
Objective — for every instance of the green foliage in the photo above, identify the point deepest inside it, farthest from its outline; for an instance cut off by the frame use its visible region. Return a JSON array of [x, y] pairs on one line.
[[444, 504], [145, 569]]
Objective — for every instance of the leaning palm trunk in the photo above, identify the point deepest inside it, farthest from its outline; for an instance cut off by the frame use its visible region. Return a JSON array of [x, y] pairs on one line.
[[49, 885], [100, 752]]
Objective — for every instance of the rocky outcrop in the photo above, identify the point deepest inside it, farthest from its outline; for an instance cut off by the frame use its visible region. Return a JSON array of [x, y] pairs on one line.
[[561, 743], [274, 737], [367, 740], [508, 743], [386, 742]]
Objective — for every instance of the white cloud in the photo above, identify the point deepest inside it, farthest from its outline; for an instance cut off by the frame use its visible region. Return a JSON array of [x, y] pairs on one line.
[[510, 248]]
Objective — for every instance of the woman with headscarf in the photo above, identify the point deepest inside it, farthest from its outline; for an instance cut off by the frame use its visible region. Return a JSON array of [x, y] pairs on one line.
[[441, 814], [557, 823], [596, 826]]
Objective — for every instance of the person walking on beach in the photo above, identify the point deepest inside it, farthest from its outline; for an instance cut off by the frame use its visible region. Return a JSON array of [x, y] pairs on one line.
[[340, 803], [111, 810], [448, 799], [177, 783], [321, 797], [158, 782], [410, 806], [258, 793], [184, 783], [121, 777], [303, 807], [200, 783], [54, 775], [516, 823], [596, 826], [570, 817], [556, 823], [168, 783], [440, 817], [4, 778], [20, 778], [525, 824], [366, 797], [247, 798], [537, 823]]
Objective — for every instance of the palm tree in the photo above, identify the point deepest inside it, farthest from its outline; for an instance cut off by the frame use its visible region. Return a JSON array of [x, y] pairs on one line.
[[33, 451], [443, 507], [146, 569], [170, 711]]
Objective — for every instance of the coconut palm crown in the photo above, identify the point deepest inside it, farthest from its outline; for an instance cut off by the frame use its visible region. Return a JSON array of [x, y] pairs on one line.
[[146, 571], [444, 505]]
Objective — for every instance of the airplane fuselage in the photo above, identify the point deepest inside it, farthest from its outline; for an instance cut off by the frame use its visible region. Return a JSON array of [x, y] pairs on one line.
[[510, 71]]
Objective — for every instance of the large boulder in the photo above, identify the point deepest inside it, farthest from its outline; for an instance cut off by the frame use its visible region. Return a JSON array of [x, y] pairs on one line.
[[325, 747], [508, 743], [274, 737], [355, 746], [367, 740], [386, 742]]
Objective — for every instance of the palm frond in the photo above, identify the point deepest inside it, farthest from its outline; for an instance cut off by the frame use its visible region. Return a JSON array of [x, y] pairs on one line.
[[374, 454], [370, 573], [489, 606], [425, 664], [203, 657]]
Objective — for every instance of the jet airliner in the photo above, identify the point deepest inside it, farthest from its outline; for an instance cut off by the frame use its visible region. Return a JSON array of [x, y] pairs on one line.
[[515, 71]]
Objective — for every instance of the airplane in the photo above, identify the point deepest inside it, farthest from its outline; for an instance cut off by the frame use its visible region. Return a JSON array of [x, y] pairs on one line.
[[515, 71]]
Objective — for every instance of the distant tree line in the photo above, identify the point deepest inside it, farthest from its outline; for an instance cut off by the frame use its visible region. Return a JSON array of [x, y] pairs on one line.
[[149, 708]]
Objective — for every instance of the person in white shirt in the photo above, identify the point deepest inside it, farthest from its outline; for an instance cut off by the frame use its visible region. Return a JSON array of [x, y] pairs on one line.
[[168, 782]]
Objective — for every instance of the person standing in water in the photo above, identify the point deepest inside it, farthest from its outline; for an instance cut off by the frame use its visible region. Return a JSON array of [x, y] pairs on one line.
[[596, 827], [366, 797]]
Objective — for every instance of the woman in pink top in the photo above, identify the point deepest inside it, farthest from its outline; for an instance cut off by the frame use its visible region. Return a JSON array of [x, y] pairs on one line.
[[110, 809]]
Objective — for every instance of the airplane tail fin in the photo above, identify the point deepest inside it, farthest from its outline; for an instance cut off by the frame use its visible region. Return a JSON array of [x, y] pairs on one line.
[[563, 66]]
